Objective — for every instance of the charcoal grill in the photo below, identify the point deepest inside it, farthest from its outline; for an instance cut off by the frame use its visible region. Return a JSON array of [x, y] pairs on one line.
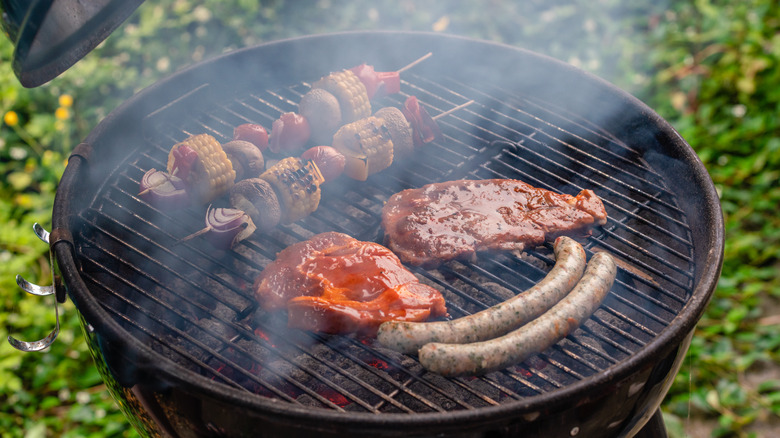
[[185, 350]]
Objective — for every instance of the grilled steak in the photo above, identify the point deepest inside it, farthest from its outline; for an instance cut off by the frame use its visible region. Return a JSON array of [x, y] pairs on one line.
[[456, 219], [334, 283]]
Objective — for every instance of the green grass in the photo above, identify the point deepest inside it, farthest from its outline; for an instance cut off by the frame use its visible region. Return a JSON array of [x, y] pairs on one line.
[[709, 67]]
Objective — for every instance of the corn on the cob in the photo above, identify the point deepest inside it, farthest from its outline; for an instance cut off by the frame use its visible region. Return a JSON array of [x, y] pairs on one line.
[[212, 174], [350, 92], [297, 185], [366, 145]]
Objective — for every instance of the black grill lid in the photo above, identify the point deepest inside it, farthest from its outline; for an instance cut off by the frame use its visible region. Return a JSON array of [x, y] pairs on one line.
[[51, 35]]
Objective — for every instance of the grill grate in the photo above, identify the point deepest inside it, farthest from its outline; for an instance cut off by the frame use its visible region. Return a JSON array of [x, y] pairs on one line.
[[195, 306]]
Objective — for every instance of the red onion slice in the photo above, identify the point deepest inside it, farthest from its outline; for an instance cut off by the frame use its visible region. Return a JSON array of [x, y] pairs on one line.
[[225, 227], [228, 226], [329, 161], [163, 190]]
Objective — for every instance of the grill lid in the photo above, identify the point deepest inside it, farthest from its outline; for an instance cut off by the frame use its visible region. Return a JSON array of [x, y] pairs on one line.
[[50, 36], [186, 312]]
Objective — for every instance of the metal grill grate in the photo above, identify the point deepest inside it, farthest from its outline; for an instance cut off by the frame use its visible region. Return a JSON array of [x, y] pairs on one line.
[[194, 305]]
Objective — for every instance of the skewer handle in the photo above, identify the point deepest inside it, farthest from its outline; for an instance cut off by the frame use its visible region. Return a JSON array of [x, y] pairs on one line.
[[193, 235], [452, 110], [413, 63]]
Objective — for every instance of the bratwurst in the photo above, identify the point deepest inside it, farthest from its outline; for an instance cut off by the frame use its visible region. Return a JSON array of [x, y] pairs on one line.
[[408, 337], [536, 336], [456, 219]]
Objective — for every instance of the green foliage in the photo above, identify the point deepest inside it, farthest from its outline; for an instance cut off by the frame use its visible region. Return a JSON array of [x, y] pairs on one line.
[[719, 84], [708, 66]]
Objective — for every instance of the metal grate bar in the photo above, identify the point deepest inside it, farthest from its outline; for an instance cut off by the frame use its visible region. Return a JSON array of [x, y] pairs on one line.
[[607, 201], [167, 328], [639, 218], [514, 103]]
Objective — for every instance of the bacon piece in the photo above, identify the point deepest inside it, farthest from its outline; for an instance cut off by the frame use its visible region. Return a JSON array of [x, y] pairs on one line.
[[457, 219], [334, 283]]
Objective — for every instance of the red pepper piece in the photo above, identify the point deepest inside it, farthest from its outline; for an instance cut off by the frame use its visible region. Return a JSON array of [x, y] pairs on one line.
[[378, 83], [391, 81], [184, 158], [289, 133], [424, 128]]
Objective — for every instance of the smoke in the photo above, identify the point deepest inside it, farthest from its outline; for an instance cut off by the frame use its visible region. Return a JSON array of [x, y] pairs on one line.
[[531, 116]]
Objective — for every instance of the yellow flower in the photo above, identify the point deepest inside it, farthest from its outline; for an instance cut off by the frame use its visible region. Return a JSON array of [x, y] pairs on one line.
[[11, 118], [66, 100], [62, 113], [47, 159], [24, 200], [441, 24]]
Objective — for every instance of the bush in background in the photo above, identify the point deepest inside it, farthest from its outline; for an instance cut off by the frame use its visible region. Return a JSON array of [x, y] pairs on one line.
[[718, 80]]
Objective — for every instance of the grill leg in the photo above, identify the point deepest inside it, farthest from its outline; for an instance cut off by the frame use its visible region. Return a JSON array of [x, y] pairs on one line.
[[654, 428]]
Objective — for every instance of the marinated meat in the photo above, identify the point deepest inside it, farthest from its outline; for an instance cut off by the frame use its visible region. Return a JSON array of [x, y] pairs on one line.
[[457, 219], [334, 283]]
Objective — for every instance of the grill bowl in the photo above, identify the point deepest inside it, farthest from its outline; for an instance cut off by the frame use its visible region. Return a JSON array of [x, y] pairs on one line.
[[534, 119]]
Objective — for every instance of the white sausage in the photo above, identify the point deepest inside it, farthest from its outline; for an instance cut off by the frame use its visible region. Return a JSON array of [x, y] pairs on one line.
[[408, 337], [534, 337]]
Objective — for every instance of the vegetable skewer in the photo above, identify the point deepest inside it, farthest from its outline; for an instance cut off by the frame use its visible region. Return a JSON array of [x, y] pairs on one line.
[[225, 227], [334, 100], [370, 144], [290, 190]]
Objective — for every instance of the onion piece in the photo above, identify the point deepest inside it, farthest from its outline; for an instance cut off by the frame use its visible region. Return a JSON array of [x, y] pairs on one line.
[[225, 227], [329, 161], [163, 190]]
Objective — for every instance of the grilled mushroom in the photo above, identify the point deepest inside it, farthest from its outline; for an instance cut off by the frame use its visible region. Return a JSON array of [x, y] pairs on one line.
[[257, 198], [323, 112], [246, 158]]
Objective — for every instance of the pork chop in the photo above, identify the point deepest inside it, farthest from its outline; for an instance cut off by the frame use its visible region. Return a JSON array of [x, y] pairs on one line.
[[456, 219]]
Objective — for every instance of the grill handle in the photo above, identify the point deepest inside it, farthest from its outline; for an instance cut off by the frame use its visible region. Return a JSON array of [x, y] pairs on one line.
[[57, 289]]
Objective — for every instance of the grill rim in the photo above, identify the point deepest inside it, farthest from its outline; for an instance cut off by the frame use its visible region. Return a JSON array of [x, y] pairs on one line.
[[149, 364]]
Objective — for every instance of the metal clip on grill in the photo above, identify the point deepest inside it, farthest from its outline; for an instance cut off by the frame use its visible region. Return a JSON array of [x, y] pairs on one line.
[[41, 291]]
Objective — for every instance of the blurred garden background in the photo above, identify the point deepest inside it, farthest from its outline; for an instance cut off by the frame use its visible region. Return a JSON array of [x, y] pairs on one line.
[[710, 67]]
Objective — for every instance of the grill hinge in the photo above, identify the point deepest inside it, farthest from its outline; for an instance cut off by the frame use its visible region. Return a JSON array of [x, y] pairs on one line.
[[57, 289]]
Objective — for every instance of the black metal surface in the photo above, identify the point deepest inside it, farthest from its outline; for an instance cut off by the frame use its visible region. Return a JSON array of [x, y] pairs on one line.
[[183, 316], [49, 36]]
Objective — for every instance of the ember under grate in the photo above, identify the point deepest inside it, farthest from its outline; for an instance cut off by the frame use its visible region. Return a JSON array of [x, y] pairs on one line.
[[194, 305]]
